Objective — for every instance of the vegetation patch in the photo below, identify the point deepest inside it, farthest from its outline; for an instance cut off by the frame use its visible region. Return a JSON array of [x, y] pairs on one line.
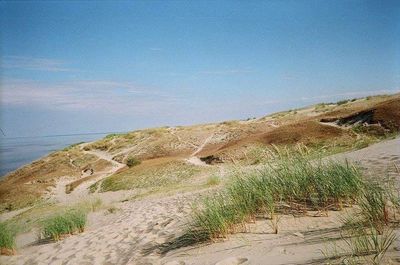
[[163, 174], [7, 239], [114, 135], [132, 161], [342, 102], [213, 180], [305, 132], [67, 223], [25, 186], [102, 145], [367, 235], [93, 188], [259, 154], [93, 205], [290, 185], [68, 148]]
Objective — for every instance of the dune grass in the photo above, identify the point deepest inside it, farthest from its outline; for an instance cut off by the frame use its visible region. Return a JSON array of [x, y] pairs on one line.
[[73, 221], [165, 174], [258, 154], [361, 245], [368, 234], [291, 184], [378, 206], [50, 218], [7, 238], [213, 180], [295, 184]]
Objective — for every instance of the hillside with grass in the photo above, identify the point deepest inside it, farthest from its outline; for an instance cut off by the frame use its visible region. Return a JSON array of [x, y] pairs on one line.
[[333, 127], [326, 174]]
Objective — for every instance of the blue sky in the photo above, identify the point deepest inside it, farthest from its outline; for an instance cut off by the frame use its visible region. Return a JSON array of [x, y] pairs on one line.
[[75, 67]]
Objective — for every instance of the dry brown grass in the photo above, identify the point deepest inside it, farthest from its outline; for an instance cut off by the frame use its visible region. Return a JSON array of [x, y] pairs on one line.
[[231, 139], [304, 132], [383, 104], [25, 186], [161, 172]]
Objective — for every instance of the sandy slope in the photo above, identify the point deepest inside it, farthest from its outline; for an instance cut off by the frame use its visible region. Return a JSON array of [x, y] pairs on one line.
[[59, 195], [193, 159], [301, 240], [114, 238], [227, 141], [122, 237]]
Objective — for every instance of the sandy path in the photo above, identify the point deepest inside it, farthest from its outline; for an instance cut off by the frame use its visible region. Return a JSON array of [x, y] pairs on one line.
[[193, 159], [105, 156], [81, 192], [201, 147], [8, 215]]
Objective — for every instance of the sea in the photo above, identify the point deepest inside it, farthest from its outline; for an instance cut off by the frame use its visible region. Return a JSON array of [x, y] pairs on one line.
[[19, 151]]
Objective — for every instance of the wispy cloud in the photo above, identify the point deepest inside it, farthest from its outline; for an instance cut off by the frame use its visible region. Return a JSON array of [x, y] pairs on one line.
[[91, 95], [350, 94], [288, 76], [310, 99], [226, 72], [33, 63]]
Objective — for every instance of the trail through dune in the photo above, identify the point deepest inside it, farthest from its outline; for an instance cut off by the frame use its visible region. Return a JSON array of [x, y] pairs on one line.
[[129, 235], [82, 190], [201, 147], [193, 159]]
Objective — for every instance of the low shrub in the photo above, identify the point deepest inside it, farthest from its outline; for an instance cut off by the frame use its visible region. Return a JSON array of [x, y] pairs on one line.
[[342, 102], [132, 161], [72, 146], [102, 145], [113, 135]]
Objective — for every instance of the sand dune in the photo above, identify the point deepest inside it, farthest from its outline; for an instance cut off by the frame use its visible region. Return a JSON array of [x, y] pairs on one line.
[[124, 237]]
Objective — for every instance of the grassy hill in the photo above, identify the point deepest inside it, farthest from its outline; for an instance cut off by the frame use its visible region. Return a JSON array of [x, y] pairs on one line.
[[164, 153]]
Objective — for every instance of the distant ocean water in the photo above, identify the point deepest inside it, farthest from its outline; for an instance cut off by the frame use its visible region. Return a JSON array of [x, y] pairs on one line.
[[16, 152]]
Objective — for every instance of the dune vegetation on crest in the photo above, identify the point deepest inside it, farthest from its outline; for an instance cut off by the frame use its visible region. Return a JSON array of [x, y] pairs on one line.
[[332, 127], [207, 183], [160, 174]]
